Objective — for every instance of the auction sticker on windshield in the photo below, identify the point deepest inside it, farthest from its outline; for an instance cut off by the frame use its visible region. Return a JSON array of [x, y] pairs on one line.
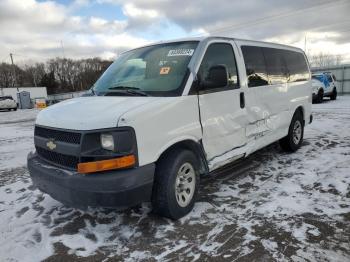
[[164, 70], [181, 52]]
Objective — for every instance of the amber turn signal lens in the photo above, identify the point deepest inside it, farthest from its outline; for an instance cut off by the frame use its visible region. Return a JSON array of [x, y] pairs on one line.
[[104, 165]]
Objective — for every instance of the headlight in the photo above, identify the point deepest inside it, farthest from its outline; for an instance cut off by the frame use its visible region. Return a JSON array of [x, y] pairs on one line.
[[107, 142]]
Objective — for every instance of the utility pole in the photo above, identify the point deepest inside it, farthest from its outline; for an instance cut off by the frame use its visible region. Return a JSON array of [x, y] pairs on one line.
[[34, 78], [14, 71], [62, 48]]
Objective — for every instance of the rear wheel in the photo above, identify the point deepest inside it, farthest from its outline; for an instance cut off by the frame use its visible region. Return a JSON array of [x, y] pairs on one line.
[[176, 184], [334, 94], [293, 140]]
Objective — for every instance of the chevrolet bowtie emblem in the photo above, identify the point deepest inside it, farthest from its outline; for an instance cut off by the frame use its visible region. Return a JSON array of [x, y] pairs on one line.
[[51, 145]]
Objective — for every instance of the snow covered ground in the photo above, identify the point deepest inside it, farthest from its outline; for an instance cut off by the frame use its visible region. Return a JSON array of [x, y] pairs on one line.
[[272, 206]]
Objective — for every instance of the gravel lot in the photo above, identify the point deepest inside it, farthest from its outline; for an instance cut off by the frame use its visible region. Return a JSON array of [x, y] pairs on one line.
[[272, 206]]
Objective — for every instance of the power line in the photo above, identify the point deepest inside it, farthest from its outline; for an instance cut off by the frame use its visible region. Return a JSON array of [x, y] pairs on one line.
[[342, 31], [22, 55], [330, 25], [26, 57], [280, 15], [6, 57]]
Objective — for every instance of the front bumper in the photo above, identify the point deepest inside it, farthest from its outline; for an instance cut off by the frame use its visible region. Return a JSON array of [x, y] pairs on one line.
[[112, 189]]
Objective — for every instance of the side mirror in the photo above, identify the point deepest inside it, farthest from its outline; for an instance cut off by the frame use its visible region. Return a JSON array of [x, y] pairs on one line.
[[217, 77]]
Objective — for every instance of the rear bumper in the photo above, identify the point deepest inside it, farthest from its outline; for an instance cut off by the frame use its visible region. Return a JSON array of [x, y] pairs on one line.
[[8, 107], [113, 189]]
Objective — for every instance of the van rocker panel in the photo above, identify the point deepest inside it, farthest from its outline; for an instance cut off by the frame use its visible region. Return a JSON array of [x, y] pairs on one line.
[[113, 189]]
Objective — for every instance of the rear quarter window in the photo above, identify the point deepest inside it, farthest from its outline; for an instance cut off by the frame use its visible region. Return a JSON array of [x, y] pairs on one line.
[[275, 65], [297, 66], [270, 66], [255, 66]]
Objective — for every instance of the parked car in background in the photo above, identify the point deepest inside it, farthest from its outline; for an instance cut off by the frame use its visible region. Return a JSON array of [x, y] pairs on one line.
[[328, 89], [7, 102], [318, 88], [333, 85], [164, 115]]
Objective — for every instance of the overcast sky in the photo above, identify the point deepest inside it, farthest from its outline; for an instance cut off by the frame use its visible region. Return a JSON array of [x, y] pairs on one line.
[[40, 29]]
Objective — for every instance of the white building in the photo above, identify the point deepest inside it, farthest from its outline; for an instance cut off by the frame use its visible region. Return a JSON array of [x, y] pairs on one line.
[[35, 92]]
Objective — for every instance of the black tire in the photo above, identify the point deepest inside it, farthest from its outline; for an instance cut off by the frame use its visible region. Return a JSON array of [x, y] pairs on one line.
[[334, 94], [319, 98], [164, 196], [289, 143], [15, 109]]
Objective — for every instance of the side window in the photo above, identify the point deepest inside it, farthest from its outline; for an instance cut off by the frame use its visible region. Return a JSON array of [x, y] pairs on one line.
[[275, 65], [297, 66], [255, 66], [330, 78], [220, 54]]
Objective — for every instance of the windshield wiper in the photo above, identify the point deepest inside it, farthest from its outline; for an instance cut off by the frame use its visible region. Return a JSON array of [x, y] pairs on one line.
[[126, 90], [123, 88], [90, 92]]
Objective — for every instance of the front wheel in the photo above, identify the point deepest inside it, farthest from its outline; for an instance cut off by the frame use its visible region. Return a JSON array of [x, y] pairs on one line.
[[319, 98], [334, 94], [176, 184], [293, 140]]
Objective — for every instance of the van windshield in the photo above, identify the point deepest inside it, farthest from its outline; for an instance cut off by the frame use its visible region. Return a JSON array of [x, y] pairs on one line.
[[157, 70]]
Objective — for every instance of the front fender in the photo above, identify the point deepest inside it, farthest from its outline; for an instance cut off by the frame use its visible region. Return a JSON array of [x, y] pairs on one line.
[[161, 124]]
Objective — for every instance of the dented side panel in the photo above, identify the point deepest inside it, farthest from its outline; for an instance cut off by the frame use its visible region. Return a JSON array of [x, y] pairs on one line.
[[223, 122]]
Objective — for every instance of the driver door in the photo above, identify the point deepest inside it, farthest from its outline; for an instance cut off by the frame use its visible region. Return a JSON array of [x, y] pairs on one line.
[[222, 108]]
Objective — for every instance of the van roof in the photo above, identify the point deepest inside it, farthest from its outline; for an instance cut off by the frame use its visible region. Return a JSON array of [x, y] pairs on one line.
[[208, 38]]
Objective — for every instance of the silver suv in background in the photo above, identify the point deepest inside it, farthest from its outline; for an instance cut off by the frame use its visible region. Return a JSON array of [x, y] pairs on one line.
[[7, 102], [323, 85]]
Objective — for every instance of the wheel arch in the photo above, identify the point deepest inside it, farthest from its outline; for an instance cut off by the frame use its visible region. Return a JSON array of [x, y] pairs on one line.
[[300, 109], [194, 146]]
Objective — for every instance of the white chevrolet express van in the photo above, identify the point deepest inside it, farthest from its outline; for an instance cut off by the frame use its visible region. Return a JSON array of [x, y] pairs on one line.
[[164, 115]]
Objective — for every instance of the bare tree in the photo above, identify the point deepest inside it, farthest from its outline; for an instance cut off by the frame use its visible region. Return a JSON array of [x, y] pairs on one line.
[[325, 59], [34, 73], [58, 75], [6, 75], [11, 75]]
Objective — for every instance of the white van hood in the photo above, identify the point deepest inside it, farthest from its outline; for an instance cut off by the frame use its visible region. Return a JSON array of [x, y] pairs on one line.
[[88, 113]]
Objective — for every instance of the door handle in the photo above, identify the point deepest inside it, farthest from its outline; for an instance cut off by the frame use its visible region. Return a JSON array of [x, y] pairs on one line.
[[241, 99]]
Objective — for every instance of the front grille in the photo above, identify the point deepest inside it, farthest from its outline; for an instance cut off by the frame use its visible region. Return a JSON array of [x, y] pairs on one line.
[[60, 159], [58, 135]]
